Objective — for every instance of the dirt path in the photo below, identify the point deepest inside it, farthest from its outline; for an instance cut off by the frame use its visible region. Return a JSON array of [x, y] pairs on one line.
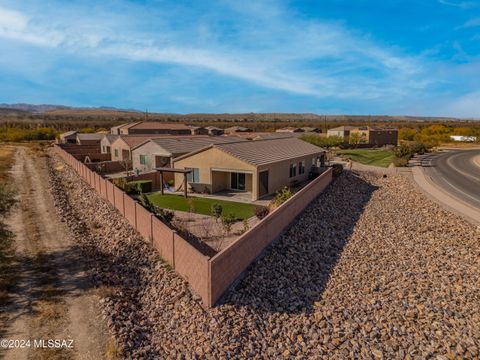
[[53, 298]]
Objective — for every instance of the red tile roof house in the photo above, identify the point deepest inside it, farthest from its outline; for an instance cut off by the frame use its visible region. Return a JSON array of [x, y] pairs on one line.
[[150, 127]]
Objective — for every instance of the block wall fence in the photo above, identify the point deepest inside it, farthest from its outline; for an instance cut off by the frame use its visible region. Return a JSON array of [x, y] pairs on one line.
[[209, 277]]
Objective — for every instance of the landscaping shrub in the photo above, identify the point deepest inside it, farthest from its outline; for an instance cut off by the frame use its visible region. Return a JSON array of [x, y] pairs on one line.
[[141, 186], [400, 162], [217, 211], [282, 196], [261, 211], [227, 222], [337, 170], [324, 142]]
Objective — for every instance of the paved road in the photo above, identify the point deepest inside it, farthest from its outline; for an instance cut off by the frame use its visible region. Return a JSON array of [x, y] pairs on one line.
[[456, 172]]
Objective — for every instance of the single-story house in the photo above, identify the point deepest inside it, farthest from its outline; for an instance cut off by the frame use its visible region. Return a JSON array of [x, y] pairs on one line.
[[198, 130], [151, 127], [265, 135], [290, 129], [258, 167], [154, 153], [341, 131], [69, 137], [115, 130], [121, 148], [215, 131], [90, 139], [236, 129], [106, 143]]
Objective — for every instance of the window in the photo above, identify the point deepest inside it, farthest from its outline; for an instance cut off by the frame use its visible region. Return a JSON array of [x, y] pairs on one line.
[[193, 176], [116, 152], [301, 167], [293, 170], [143, 159]]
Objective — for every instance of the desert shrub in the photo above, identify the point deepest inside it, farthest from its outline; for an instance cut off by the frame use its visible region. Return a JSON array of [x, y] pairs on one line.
[[227, 222], [217, 210], [282, 196], [400, 162], [337, 169], [322, 141], [409, 149], [163, 214], [120, 183], [261, 211], [141, 186]]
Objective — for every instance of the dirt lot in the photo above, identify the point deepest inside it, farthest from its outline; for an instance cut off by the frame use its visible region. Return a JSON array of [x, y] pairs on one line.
[[52, 297]]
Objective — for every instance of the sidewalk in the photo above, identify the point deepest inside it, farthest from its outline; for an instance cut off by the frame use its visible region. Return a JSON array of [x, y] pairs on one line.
[[448, 201]]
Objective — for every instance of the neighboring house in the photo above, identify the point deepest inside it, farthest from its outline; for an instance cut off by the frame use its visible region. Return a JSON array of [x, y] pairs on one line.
[[214, 131], [198, 130], [69, 137], [265, 135], [116, 129], [89, 139], [463, 138], [290, 129], [258, 167], [311, 129], [121, 148], [158, 152], [341, 131], [106, 143], [236, 129], [374, 136], [148, 127]]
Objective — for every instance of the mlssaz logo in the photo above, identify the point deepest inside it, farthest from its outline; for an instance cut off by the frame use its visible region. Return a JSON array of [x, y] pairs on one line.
[[53, 343]]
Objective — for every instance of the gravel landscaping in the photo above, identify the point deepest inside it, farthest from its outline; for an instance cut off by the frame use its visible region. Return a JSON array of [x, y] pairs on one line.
[[372, 269]]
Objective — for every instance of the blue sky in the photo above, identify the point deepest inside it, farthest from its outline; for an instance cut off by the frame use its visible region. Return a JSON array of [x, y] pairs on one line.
[[417, 57]]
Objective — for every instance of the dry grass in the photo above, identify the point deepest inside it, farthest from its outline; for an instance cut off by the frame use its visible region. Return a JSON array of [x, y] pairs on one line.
[[104, 292], [113, 351]]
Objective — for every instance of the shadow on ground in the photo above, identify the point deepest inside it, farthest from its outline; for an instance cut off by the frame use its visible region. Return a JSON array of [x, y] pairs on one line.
[[294, 273]]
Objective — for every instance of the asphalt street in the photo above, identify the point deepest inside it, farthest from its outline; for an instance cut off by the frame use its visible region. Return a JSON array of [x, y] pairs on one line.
[[456, 172]]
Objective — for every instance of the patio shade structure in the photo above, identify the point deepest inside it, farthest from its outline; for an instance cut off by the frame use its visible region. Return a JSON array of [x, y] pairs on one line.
[[172, 170]]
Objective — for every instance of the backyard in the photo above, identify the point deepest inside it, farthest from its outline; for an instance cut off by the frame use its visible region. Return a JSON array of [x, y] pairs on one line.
[[382, 158], [201, 205]]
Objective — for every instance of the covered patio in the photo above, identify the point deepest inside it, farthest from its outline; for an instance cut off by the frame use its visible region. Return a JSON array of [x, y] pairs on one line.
[[229, 183]]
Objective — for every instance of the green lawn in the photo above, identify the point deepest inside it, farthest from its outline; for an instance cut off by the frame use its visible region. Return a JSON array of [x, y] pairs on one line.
[[381, 158], [201, 205]]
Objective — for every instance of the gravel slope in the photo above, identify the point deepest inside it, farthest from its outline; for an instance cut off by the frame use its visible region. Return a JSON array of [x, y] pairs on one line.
[[372, 269]]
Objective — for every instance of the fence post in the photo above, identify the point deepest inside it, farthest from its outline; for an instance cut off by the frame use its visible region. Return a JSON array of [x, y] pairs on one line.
[[173, 248]]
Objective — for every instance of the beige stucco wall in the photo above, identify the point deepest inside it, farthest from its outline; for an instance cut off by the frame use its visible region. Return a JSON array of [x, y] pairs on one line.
[[278, 173], [217, 162], [214, 164], [120, 145], [150, 149]]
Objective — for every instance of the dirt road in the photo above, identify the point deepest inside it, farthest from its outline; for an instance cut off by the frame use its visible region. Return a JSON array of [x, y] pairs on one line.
[[52, 297]]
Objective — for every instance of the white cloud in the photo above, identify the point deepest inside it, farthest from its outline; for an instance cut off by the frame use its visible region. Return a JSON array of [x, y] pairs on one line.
[[469, 24], [459, 4], [285, 53], [464, 106]]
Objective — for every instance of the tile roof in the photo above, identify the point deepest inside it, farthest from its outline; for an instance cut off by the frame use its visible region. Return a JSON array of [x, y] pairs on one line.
[[94, 136], [152, 125], [262, 152], [177, 145]]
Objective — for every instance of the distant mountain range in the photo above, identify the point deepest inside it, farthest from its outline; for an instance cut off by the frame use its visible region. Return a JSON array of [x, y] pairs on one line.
[[42, 108], [112, 112]]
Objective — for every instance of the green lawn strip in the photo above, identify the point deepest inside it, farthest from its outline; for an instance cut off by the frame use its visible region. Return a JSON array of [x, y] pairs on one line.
[[202, 205], [382, 158]]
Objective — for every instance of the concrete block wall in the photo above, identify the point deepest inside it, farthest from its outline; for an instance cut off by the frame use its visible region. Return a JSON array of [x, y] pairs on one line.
[[229, 264], [208, 277]]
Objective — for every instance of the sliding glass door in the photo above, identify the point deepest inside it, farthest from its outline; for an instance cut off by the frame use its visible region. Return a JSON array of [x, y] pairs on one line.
[[237, 181]]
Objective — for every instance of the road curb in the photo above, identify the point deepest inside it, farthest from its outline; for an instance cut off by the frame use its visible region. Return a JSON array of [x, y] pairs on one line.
[[446, 200]]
